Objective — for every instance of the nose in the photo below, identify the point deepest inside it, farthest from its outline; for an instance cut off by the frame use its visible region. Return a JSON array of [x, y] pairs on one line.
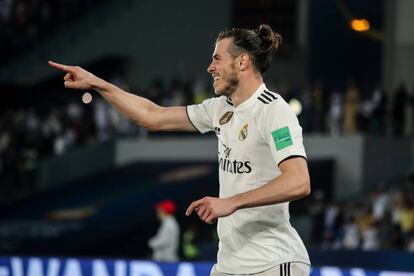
[[210, 68]]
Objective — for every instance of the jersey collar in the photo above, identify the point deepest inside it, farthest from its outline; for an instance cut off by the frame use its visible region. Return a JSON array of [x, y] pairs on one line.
[[252, 99]]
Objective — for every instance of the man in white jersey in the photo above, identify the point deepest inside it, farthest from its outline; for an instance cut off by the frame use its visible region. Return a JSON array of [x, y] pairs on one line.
[[262, 161]]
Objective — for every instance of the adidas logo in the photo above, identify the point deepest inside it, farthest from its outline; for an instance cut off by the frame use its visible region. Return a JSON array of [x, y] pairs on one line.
[[267, 97]]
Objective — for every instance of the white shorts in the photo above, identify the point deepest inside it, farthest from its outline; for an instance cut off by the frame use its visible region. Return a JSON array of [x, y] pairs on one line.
[[285, 269]]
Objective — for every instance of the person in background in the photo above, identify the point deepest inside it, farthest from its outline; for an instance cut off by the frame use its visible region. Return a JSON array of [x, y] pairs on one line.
[[165, 243], [351, 108], [189, 243]]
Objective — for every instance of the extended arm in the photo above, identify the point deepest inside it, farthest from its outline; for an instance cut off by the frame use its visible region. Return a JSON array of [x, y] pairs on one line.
[[293, 183], [138, 109]]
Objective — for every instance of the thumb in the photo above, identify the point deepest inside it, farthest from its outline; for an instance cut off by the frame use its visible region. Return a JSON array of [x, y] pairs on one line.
[[71, 84]]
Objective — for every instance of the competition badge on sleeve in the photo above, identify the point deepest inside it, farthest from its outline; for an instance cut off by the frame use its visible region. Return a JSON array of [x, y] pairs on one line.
[[226, 118], [282, 138]]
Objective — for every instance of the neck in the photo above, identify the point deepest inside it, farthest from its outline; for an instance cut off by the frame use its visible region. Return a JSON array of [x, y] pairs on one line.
[[247, 86]]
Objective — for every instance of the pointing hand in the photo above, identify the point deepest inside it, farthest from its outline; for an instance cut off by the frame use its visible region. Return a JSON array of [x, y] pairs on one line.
[[76, 77]]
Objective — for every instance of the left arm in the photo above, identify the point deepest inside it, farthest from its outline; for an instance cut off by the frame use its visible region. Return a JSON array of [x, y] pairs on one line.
[[293, 183]]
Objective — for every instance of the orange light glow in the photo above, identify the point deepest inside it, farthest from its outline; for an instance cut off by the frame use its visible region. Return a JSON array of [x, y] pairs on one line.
[[360, 25]]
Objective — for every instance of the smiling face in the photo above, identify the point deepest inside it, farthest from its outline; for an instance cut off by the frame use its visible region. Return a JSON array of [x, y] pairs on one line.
[[223, 69]]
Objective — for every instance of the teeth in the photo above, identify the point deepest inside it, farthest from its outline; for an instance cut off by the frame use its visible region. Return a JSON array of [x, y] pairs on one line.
[[216, 78]]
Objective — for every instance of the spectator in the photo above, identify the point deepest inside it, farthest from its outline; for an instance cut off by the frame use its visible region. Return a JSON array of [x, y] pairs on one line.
[[335, 113], [189, 244], [351, 108], [380, 203], [351, 234], [407, 218], [165, 243], [370, 237], [319, 107], [379, 119]]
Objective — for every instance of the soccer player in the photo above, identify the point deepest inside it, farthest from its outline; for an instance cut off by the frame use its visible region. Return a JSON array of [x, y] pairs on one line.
[[262, 160]]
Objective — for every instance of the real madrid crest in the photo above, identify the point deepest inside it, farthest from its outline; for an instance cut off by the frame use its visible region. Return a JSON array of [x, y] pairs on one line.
[[226, 117], [243, 132]]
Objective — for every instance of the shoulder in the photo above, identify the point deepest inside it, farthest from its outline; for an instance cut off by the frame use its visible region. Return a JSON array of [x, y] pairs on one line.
[[270, 102], [218, 101], [223, 100], [275, 110]]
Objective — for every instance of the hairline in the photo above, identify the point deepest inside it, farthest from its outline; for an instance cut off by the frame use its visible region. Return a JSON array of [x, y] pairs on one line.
[[235, 51]]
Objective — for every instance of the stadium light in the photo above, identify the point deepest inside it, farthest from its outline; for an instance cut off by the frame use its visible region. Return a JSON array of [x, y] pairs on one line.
[[360, 25], [296, 106]]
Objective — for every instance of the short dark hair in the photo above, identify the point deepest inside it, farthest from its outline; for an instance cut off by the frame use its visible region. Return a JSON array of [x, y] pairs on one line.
[[260, 43]]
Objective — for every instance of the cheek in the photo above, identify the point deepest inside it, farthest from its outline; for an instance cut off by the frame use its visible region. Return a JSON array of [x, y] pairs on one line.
[[226, 74]]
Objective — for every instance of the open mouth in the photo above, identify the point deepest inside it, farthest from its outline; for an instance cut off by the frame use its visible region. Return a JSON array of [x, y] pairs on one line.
[[215, 78]]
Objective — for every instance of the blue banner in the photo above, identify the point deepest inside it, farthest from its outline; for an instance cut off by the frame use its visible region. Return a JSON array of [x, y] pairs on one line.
[[33, 266]]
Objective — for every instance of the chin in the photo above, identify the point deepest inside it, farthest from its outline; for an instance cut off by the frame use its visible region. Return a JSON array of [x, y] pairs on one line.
[[221, 91], [218, 92]]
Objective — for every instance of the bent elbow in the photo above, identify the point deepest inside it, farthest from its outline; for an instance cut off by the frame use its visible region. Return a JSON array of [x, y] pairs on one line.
[[305, 188]]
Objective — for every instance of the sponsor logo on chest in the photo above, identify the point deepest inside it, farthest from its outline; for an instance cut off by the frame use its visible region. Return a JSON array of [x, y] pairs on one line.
[[233, 166]]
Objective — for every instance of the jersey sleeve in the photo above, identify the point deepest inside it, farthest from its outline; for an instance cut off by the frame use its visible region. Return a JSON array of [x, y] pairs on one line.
[[282, 132], [201, 115]]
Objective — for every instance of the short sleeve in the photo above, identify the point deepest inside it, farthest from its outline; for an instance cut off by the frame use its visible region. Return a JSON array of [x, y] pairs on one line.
[[281, 130], [201, 115]]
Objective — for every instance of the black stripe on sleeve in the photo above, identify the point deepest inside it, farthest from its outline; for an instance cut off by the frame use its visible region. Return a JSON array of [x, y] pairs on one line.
[[263, 101], [270, 94], [266, 97], [186, 112], [281, 271], [291, 157], [285, 269]]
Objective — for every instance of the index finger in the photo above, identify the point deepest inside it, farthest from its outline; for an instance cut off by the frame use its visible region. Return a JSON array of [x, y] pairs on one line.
[[192, 206], [59, 66]]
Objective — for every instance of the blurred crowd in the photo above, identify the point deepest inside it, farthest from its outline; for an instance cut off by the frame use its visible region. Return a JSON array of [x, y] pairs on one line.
[[26, 23], [30, 134], [384, 220], [353, 110]]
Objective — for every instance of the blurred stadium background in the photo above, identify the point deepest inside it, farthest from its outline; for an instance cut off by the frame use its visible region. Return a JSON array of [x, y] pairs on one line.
[[78, 182]]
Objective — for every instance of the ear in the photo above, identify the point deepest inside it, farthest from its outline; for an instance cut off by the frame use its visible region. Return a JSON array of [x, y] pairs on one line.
[[244, 60]]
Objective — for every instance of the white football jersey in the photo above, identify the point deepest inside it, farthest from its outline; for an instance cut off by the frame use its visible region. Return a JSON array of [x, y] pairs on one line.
[[253, 138]]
